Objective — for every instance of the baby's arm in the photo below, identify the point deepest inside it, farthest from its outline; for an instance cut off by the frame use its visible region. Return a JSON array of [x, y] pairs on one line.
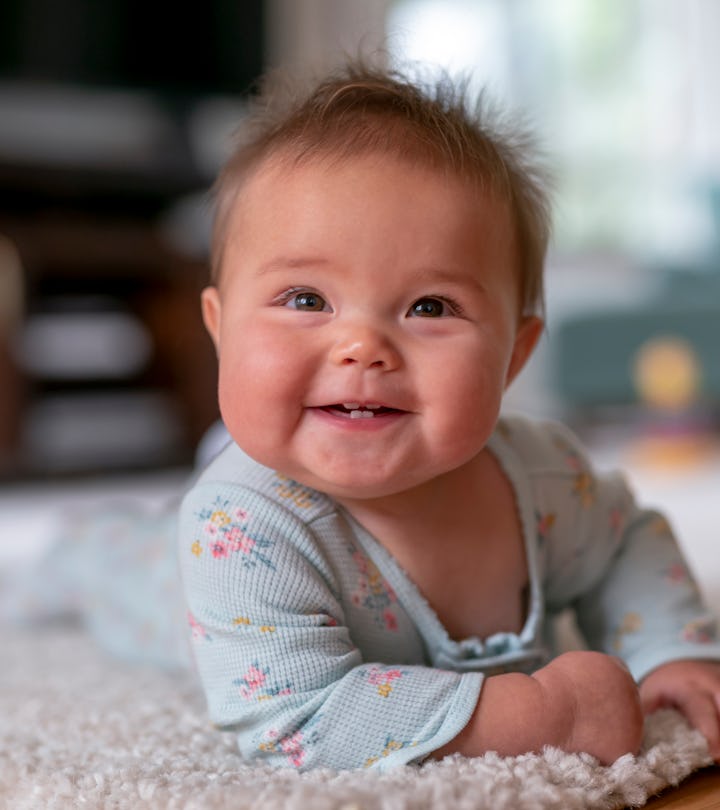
[[275, 652], [579, 702], [620, 568], [692, 687]]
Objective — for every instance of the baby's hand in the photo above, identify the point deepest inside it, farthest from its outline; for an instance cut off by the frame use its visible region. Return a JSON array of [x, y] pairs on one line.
[[691, 687], [580, 701], [601, 701]]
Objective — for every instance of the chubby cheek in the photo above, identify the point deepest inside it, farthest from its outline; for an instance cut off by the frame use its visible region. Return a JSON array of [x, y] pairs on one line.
[[258, 391], [468, 400]]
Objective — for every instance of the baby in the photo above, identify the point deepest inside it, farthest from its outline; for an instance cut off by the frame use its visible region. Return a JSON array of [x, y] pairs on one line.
[[373, 564]]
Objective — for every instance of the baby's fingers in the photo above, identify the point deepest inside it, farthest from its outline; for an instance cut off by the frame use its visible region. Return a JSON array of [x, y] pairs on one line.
[[701, 711]]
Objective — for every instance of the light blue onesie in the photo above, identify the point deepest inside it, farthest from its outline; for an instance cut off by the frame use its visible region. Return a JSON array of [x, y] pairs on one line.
[[318, 650]]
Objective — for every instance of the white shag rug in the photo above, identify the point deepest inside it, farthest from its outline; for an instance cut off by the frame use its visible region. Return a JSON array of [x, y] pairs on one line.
[[81, 730]]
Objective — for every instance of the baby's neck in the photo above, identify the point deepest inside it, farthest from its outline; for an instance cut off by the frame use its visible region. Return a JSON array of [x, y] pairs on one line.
[[448, 505], [460, 541]]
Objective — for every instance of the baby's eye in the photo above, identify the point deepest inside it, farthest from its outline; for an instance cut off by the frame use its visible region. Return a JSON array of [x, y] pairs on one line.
[[306, 301], [431, 308]]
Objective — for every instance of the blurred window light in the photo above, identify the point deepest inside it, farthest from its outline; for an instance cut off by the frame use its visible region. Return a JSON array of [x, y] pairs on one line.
[[79, 432], [82, 345], [464, 36], [624, 94]]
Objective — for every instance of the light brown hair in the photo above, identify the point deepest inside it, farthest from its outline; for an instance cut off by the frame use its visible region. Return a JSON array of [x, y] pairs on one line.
[[360, 110]]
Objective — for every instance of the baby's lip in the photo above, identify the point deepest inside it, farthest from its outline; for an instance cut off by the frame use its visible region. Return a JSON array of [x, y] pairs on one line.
[[357, 408]]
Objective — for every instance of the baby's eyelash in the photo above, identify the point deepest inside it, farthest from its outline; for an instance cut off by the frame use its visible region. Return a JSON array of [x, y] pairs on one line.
[[313, 301], [289, 294], [455, 307]]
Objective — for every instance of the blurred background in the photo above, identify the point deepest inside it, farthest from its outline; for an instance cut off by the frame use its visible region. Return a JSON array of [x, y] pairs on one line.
[[116, 114]]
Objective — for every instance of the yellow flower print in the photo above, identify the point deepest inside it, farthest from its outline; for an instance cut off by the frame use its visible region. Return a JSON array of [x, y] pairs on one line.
[[660, 525], [267, 628], [544, 525], [390, 746], [300, 495], [383, 678], [702, 630], [241, 620], [631, 623], [196, 548], [584, 488], [220, 518]]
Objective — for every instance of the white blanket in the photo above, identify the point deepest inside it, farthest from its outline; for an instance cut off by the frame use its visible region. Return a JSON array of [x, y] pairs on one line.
[[79, 729]]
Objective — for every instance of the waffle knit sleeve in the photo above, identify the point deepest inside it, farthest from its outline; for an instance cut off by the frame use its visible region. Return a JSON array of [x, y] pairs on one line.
[[276, 657], [620, 567]]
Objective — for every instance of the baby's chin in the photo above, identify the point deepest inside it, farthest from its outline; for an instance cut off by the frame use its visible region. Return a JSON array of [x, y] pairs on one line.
[[350, 487], [349, 484]]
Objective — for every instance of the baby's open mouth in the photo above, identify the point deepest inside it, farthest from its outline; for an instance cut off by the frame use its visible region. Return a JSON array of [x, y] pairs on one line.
[[356, 410]]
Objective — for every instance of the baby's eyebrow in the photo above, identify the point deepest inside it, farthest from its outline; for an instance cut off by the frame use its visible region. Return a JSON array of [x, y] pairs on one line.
[[449, 276], [291, 263]]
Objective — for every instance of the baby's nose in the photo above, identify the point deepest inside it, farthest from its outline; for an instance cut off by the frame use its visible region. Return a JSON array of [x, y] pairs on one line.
[[366, 347]]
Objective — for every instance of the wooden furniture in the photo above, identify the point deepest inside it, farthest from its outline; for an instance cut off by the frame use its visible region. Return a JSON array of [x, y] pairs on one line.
[[89, 242], [700, 791]]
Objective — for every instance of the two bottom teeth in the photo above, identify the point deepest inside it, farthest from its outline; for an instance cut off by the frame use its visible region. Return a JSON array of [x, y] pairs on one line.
[[358, 412], [361, 414]]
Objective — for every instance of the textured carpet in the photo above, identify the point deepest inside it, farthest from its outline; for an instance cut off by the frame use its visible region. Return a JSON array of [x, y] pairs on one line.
[[81, 730]]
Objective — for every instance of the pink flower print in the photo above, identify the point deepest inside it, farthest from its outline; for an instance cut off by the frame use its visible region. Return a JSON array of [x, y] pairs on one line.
[[676, 573], [219, 549], [255, 677], [251, 681], [373, 592], [617, 522], [254, 685], [237, 540], [361, 562], [390, 620], [292, 746], [247, 544], [226, 530], [199, 633], [361, 592], [383, 679]]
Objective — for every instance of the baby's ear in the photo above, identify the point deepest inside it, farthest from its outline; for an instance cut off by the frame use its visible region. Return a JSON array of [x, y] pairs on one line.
[[528, 334], [212, 312]]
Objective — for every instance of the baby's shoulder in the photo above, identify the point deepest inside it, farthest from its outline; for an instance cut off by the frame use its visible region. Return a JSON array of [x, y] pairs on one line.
[[233, 472], [542, 446]]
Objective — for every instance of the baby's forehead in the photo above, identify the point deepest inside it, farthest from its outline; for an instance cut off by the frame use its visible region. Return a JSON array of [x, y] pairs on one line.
[[271, 180], [274, 171]]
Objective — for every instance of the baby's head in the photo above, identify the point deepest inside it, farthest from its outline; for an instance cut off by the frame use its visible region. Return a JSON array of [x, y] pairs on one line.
[[361, 111], [377, 262]]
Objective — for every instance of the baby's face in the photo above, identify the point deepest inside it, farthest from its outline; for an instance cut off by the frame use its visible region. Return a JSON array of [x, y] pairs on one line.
[[366, 323]]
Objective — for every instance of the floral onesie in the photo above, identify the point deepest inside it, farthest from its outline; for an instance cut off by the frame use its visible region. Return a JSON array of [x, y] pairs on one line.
[[316, 648]]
